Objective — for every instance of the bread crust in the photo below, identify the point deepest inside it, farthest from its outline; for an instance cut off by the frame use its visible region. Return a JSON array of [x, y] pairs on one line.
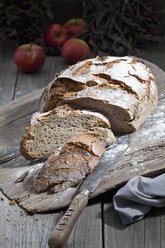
[[121, 88], [77, 158], [66, 111]]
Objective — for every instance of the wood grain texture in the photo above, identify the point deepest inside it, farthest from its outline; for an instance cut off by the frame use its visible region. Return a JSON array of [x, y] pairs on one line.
[[87, 232], [132, 236], [162, 226], [138, 235], [21, 230], [146, 233], [30, 82], [24, 231], [18, 229], [115, 234], [152, 230], [144, 157], [8, 74]]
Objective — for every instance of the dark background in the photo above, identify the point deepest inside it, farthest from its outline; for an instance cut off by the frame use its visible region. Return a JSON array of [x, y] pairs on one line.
[[25, 21]]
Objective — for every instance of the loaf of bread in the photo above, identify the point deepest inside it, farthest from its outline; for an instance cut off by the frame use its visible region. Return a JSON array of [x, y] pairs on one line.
[[49, 131], [76, 160], [78, 110], [121, 88]]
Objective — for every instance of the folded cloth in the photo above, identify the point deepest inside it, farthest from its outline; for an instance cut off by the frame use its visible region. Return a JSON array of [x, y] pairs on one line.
[[137, 197]]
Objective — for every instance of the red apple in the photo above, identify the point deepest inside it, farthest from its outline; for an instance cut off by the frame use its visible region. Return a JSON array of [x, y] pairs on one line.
[[75, 26], [55, 35], [75, 50], [29, 57]]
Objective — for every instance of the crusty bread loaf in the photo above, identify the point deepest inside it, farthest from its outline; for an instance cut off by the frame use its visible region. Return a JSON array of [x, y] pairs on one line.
[[121, 88], [77, 158], [47, 132]]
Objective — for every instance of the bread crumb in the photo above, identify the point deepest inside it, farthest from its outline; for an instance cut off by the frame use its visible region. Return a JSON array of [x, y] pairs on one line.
[[2, 199], [12, 203], [21, 213]]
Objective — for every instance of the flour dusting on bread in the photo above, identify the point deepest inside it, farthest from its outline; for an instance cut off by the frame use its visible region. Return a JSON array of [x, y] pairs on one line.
[[121, 88]]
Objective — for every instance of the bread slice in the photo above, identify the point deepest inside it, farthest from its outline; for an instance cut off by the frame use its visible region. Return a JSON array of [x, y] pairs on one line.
[[76, 160], [121, 88], [49, 131]]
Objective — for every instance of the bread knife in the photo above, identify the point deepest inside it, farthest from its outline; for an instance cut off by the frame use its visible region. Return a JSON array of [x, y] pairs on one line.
[[61, 232]]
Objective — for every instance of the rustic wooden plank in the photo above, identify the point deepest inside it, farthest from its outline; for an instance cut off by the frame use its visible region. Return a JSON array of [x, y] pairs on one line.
[[87, 221], [15, 162], [25, 231], [115, 234], [152, 230], [162, 226], [24, 104], [8, 74], [21, 230], [147, 233], [144, 157], [29, 82], [138, 236], [10, 136], [34, 235], [88, 229]]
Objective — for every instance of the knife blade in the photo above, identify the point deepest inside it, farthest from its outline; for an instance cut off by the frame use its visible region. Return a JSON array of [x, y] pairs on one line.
[[60, 234]]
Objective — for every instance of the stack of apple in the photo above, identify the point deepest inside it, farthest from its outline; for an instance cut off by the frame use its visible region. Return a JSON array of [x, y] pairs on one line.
[[31, 57]]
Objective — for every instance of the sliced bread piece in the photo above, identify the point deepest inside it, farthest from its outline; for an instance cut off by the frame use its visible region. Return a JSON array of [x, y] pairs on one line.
[[121, 88], [77, 158], [49, 131]]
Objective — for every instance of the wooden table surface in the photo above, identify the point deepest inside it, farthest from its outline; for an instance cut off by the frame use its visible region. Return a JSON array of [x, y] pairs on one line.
[[99, 225]]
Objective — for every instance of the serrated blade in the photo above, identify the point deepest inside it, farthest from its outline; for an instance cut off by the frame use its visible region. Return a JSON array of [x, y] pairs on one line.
[[109, 157]]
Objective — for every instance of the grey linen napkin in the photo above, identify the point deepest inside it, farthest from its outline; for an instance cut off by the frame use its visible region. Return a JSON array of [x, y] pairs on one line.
[[136, 198]]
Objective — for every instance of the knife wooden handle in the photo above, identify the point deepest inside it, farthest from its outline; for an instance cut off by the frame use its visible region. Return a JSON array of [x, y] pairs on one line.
[[61, 232]]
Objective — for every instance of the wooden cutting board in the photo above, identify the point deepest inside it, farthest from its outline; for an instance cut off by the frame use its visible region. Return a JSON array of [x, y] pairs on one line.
[[145, 156]]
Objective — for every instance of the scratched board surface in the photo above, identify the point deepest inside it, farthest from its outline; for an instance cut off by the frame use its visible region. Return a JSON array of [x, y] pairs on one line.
[[144, 156]]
